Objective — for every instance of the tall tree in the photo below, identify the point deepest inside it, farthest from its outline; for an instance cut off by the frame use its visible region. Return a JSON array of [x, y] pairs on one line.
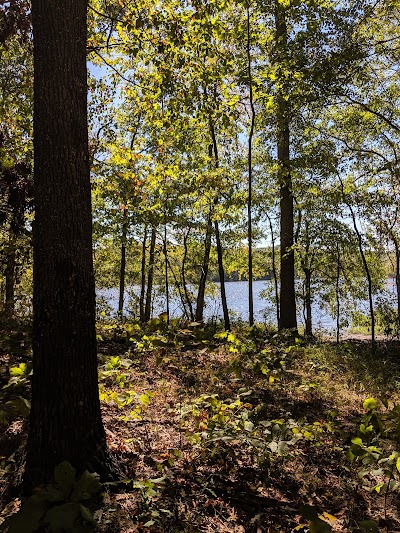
[[288, 318], [65, 420], [250, 169]]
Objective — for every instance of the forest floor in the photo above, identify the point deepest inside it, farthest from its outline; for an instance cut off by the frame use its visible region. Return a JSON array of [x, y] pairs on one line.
[[239, 432]]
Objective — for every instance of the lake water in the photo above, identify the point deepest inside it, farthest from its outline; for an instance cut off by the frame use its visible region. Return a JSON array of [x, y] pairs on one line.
[[237, 299]]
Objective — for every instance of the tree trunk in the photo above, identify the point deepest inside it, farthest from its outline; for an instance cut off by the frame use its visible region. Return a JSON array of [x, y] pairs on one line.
[[397, 279], [123, 263], [337, 294], [274, 273], [221, 272], [398, 284], [2, 293], [365, 264], [307, 298], [178, 288], [288, 318], [250, 174], [65, 419], [165, 251], [10, 274], [204, 270], [150, 275], [143, 277], [183, 275]]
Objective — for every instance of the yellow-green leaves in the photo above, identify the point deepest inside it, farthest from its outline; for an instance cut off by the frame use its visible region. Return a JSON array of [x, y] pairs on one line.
[[370, 404]]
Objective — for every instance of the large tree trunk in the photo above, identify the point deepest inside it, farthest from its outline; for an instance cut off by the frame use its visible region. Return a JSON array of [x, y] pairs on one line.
[[150, 275], [288, 318], [204, 270], [65, 420], [122, 270]]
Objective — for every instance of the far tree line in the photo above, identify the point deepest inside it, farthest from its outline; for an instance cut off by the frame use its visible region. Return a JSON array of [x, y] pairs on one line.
[[233, 140]]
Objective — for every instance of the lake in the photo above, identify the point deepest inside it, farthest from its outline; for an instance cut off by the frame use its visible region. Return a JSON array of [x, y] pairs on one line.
[[237, 299]]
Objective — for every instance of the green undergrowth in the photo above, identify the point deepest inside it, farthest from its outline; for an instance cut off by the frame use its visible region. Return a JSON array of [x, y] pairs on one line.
[[249, 428]]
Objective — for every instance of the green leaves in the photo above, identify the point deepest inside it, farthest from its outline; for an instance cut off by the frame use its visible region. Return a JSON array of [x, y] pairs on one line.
[[369, 526], [370, 404], [64, 476], [62, 517], [86, 487], [57, 505], [317, 525], [22, 370]]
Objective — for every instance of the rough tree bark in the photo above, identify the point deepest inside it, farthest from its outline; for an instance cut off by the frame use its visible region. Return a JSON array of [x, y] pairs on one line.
[[65, 420], [288, 318]]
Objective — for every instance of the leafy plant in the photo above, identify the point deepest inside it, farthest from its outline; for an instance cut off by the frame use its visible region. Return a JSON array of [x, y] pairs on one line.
[[13, 402], [317, 523], [234, 426], [58, 506]]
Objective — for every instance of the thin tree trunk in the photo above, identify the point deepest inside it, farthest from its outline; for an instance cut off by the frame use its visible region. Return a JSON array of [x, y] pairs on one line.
[[178, 288], [165, 251], [274, 272], [365, 263], [183, 275], [143, 276], [150, 275], [221, 270], [308, 328], [288, 319], [338, 294], [2, 293], [122, 270], [397, 278], [10, 274], [250, 174], [398, 282], [204, 269], [65, 419]]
